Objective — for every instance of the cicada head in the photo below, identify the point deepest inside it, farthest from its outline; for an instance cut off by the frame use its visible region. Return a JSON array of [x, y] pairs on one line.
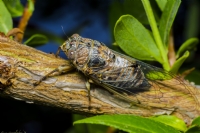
[[76, 50], [69, 47]]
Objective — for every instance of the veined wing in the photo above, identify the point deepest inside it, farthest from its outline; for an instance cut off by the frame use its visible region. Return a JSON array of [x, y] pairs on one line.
[[159, 88]]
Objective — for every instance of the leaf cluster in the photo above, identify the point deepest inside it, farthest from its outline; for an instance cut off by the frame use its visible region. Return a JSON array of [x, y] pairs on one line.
[[145, 33], [9, 10]]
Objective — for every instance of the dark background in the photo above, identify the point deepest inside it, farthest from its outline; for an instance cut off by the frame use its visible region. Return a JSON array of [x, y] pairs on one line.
[[89, 18]]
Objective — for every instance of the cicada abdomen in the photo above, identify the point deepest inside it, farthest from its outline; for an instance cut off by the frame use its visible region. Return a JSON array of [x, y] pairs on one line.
[[132, 79]]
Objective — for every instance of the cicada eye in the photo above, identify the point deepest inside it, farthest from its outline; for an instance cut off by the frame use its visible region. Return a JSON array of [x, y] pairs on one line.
[[71, 50], [71, 53], [68, 45]]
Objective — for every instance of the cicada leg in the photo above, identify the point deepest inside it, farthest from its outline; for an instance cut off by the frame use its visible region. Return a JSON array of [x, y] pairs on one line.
[[58, 51], [60, 69], [123, 96], [87, 84]]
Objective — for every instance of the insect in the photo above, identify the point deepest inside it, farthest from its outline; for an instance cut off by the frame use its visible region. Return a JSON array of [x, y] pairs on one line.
[[123, 75]]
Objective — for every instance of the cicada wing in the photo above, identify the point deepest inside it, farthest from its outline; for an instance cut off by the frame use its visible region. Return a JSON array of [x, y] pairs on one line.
[[124, 79], [161, 88], [120, 93], [151, 72], [155, 74]]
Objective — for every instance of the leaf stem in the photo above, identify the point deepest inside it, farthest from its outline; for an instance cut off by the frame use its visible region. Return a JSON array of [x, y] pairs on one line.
[[28, 11], [156, 33]]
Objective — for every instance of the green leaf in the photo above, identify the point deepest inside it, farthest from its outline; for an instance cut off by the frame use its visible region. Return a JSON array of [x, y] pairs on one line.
[[133, 7], [50, 36], [156, 34], [193, 129], [179, 62], [196, 121], [161, 4], [129, 123], [189, 45], [171, 121], [36, 40], [135, 40], [5, 19], [14, 7], [79, 128], [86, 128], [116, 47], [167, 19]]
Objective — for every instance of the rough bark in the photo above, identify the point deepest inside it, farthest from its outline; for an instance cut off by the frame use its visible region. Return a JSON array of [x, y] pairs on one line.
[[21, 66]]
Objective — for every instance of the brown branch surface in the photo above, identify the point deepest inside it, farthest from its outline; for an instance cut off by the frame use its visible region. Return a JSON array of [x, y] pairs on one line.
[[21, 66]]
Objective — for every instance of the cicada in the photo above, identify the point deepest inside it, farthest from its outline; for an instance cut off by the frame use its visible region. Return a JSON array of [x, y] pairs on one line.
[[125, 76]]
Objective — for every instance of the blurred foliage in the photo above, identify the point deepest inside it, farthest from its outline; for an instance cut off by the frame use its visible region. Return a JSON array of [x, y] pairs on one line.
[[15, 7], [36, 40], [5, 18], [133, 42], [190, 45], [88, 128]]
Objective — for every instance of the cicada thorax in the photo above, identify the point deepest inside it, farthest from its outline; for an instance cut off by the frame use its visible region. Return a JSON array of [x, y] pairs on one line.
[[99, 63], [77, 51]]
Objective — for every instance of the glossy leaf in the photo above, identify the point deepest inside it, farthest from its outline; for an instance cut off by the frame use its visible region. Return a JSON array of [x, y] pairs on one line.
[[171, 121], [167, 19], [36, 40], [129, 123], [135, 40], [189, 45], [179, 62], [14, 7], [5, 19]]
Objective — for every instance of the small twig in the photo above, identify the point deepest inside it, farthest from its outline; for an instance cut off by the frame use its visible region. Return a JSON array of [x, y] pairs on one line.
[[24, 20], [186, 72]]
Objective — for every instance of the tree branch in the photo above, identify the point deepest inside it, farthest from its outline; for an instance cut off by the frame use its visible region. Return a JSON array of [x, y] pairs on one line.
[[21, 66]]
